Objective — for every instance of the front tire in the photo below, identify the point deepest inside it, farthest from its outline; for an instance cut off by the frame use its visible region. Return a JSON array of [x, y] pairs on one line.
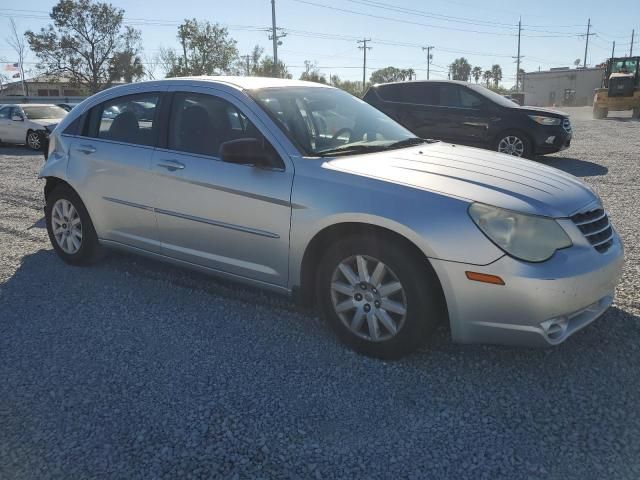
[[34, 140], [380, 300], [70, 229], [514, 143]]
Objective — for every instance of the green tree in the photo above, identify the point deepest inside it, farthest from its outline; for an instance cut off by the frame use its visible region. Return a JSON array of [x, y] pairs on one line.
[[205, 49], [388, 74], [265, 68], [460, 69], [82, 42], [476, 73], [487, 76], [127, 64], [496, 75], [312, 73], [354, 88]]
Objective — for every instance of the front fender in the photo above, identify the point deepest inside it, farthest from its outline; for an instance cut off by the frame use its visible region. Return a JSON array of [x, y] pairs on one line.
[[437, 224]]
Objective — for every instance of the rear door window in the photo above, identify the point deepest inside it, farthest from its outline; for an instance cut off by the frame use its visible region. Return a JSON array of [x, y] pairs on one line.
[[130, 119], [418, 93]]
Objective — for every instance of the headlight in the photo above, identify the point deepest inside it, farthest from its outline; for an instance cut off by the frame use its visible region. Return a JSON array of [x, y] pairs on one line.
[[526, 237], [542, 120]]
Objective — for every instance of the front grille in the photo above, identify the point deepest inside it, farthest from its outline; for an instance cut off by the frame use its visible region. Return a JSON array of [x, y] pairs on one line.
[[595, 226], [566, 124]]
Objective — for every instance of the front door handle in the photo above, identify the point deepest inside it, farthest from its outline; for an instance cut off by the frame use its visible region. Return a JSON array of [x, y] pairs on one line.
[[86, 149], [171, 165]]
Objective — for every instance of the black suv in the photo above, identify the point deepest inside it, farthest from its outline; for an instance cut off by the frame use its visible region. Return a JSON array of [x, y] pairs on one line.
[[469, 114]]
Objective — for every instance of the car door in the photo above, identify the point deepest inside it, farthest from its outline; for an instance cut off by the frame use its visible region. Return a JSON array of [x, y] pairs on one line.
[[5, 119], [16, 129], [463, 115], [229, 217], [110, 164]]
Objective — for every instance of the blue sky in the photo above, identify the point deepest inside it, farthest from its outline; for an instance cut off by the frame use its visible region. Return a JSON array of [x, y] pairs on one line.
[[325, 31]]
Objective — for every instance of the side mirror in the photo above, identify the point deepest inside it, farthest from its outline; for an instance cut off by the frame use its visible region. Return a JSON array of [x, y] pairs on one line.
[[17, 118], [246, 151]]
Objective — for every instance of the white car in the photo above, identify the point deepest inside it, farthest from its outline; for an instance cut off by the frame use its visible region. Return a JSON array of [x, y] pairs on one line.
[[29, 123]]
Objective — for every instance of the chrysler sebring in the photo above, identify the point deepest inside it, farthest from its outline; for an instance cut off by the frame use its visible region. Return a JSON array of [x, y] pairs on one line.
[[304, 189]]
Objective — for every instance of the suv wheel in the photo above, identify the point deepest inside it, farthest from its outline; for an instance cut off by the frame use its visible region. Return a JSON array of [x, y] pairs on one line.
[[34, 140], [69, 227], [379, 300], [514, 143]]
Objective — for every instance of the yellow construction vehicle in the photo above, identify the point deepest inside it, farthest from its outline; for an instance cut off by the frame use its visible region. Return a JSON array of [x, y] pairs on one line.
[[620, 88]]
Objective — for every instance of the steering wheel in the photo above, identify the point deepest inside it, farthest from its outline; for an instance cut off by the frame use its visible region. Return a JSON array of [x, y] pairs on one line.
[[341, 131]]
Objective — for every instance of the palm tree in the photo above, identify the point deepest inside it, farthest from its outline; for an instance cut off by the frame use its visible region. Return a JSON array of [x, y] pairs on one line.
[[496, 74], [460, 69], [410, 73], [476, 73], [486, 76]]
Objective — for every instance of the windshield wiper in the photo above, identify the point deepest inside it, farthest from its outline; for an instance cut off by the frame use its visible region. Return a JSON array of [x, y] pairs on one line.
[[407, 142], [350, 149]]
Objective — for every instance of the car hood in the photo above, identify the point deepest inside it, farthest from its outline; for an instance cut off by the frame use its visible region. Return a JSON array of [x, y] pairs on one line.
[[475, 175], [46, 122], [541, 111]]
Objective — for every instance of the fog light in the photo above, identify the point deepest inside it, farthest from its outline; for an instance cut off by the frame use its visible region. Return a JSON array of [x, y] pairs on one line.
[[550, 140]]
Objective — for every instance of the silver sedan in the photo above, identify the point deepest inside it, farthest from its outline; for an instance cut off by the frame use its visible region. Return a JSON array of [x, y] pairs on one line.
[[303, 189]]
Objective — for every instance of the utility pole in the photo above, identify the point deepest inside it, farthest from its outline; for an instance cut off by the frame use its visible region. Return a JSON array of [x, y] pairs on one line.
[[428, 49], [518, 59], [586, 46], [364, 49], [633, 32], [247, 59], [275, 36], [613, 50]]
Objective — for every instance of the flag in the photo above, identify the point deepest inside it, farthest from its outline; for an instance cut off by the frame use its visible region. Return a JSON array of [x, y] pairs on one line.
[[12, 67]]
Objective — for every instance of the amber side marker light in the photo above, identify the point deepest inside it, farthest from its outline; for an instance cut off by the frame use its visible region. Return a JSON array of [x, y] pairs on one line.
[[484, 278]]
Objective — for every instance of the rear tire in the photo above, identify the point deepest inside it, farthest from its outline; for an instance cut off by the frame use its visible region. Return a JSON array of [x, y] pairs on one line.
[[515, 143], [385, 312], [70, 229]]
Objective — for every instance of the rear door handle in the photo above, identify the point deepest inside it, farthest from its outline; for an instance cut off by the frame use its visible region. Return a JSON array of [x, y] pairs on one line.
[[86, 149], [171, 165]]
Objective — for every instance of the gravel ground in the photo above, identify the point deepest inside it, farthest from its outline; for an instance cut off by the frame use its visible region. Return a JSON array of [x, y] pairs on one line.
[[132, 369]]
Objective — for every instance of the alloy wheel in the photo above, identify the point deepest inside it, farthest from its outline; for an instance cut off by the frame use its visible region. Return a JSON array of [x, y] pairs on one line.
[[66, 226], [33, 140], [368, 298], [511, 145]]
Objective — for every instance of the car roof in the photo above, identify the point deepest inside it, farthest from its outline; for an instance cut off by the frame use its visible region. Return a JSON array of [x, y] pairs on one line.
[[241, 83], [457, 82]]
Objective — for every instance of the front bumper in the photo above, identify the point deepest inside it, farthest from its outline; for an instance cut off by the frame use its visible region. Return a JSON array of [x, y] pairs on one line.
[[551, 139], [540, 303]]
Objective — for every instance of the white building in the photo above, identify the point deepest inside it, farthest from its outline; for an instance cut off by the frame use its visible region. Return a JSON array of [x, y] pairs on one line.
[[561, 86]]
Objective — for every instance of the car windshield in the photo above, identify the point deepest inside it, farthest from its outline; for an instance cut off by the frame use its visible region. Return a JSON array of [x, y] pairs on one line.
[[493, 96], [44, 112], [327, 121]]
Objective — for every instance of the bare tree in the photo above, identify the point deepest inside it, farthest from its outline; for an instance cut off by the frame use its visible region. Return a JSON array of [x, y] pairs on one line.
[[16, 41]]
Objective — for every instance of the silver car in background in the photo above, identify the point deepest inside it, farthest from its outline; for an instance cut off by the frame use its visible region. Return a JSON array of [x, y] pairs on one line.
[[306, 190], [29, 123]]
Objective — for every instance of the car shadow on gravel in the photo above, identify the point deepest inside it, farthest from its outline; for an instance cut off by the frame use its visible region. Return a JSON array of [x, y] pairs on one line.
[[18, 151], [574, 166], [133, 357]]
